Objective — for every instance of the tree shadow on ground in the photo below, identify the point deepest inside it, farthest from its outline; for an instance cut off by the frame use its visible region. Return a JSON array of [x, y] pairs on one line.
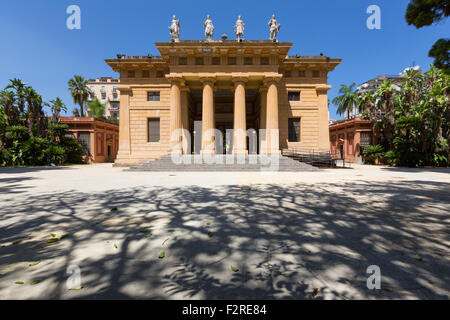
[[285, 240], [19, 170], [414, 170], [13, 185]]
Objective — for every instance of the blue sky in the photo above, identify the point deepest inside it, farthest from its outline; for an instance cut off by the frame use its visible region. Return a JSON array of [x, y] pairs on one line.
[[37, 47]]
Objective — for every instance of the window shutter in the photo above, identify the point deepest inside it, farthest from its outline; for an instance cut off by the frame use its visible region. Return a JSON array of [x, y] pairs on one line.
[[294, 130], [153, 130]]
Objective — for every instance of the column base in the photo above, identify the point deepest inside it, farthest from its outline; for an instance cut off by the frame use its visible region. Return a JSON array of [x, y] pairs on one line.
[[208, 152], [177, 152], [240, 152]]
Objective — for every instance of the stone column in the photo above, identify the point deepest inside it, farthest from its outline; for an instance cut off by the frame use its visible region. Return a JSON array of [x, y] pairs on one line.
[[175, 112], [208, 119], [324, 132], [240, 119], [124, 152], [94, 141], [185, 119], [273, 142], [262, 120]]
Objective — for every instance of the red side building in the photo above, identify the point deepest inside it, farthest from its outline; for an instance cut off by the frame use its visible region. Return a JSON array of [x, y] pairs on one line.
[[99, 138], [349, 137]]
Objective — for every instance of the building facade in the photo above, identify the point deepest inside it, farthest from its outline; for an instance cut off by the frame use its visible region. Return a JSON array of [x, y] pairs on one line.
[[199, 86], [99, 138], [105, 89], [348, 138]]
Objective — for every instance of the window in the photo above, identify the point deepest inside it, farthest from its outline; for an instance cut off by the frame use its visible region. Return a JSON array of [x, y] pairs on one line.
[[84, 138], [199, 61], [288, 74], [366, 139], [160, 74], [316, 74], [131, 74], [216, 61], [302, 74], [264, 60], [114, 89], [145, 74], [183, 61], [103, 96], [153, 130], [248, 61], [294, 95], [153, 96], [294, 130], [231, 60]]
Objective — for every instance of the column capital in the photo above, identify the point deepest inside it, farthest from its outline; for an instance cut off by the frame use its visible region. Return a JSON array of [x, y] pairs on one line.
[[206, 79], [263, 88], [239, 78], [175, 78], [124, 89], [272, 78], [323, 88]]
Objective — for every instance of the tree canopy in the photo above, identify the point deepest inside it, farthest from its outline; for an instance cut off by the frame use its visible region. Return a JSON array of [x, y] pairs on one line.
[[421, 13]]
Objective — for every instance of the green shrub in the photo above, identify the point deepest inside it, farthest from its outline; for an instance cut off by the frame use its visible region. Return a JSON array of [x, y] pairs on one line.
[[54, 154], [16, 154], [16, 133], [73, 150], [34, 151], [391, 158], [373, 153], [5, 158], [57, 132]]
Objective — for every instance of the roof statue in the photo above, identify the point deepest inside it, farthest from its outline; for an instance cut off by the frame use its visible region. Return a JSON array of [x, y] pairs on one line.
[[209, 28], [274, 28], [239, 29], [175, 29]]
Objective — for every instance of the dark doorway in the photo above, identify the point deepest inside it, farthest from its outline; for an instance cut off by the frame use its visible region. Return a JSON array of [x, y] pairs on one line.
[[226, 143]]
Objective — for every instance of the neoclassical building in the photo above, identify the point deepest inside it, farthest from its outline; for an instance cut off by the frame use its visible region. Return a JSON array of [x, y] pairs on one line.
[[197, 86]]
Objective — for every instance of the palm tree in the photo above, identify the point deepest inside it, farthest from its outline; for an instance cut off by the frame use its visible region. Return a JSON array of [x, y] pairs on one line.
[[19, 87], [57, 106], [7, 102], [76, 112], [385, 96], [32, 99], [96, 109], [347, 100], [80, 91]]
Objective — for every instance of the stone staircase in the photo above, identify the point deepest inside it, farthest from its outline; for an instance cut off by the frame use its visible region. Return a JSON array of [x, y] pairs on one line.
[[228, 163]]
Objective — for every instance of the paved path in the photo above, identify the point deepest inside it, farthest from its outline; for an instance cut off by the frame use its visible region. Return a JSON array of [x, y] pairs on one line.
[[287, 233]]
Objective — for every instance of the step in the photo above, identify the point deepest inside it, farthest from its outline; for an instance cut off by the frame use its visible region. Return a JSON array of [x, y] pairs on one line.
[[165, 164]]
